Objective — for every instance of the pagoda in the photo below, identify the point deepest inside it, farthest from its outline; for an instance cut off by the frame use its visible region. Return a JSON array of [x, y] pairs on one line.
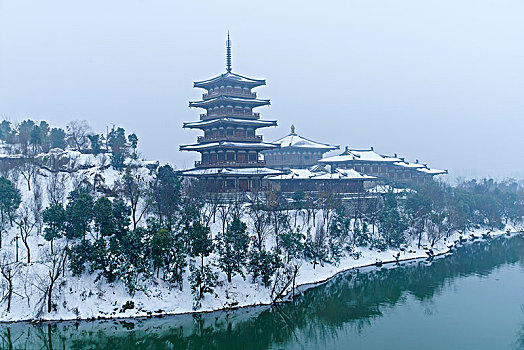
[[230, 159]]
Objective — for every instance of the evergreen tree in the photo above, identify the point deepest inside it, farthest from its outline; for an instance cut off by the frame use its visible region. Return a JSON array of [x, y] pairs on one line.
[[54, 218], [117, 142], [392, 224], [121, 213], [161, 244], [79, 214], [201, 246], [133, 140], [262, 265], [6, 132], [165, 193], [57, 138], [232, 248], [96, 146], [10, 200], [104, 217], [292, 242]]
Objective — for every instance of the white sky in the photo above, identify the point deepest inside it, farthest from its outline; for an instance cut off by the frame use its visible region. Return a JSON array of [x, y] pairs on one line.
[[441, 81]]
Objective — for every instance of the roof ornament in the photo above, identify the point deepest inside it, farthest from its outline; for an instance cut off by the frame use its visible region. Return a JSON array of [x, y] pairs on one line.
[[293, 129], [228, 53]]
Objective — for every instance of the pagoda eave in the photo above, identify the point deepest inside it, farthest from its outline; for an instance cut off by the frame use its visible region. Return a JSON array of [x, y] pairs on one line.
[[232, 121]]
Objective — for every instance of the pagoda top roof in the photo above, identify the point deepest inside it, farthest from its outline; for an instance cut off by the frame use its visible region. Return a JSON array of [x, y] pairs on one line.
[[248, 122], [228, 144], [254, 102], [231, 78], [294, 140]]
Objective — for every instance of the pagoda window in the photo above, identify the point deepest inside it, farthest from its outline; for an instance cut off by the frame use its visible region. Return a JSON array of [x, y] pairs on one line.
[[214, 134], [221, 132], [230, 156], [241, 157], [250, 133], [252, 156], [221, 157], [213, 158], [239, 133], [229, 132]]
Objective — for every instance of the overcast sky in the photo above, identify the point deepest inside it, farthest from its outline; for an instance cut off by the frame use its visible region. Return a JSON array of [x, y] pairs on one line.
[[441, 81]]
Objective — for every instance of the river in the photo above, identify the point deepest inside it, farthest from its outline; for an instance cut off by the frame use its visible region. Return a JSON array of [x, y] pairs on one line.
[[472, 299]]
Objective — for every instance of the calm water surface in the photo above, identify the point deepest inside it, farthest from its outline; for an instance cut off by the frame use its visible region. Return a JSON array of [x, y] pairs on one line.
[[473, 299]]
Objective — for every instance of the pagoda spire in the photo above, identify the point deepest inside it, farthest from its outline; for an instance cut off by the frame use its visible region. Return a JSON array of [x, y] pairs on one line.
[[228, 53]]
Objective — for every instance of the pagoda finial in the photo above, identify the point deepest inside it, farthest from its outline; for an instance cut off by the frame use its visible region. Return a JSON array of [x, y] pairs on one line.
[[293, 129], [228, 53]]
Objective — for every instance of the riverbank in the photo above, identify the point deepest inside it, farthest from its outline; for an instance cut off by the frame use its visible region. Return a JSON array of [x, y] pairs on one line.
[[88, 300]]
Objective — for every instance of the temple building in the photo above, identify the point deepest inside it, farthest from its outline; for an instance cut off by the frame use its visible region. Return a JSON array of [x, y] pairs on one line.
[[230, 159], [296, 152], [387, 169], [318, 179]]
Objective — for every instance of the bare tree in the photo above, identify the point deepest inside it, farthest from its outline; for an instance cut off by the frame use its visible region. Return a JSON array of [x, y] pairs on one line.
[[77, 134], [28, 170], [26, 223], [46, 282], [37, 204], [224, 211], [260, 220], [9, 269], [134, 187], [56, 188]]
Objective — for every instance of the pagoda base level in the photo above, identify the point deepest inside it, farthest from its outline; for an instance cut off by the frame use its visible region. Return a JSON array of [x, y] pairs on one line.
[[221, 184]]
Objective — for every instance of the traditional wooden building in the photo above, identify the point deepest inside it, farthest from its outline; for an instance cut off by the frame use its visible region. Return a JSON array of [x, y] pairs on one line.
[[296, 152], [230, 159], [388, 169]]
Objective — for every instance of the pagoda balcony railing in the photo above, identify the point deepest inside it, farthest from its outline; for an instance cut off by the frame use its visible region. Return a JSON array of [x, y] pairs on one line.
[[205, 116], [232, 163], [256, 138], [229, 92]]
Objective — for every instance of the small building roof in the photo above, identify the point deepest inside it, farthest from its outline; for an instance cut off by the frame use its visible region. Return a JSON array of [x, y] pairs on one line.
[[229, 77], [366, 155], [311, 174], [294, 140], [253, 102], [248, 122]]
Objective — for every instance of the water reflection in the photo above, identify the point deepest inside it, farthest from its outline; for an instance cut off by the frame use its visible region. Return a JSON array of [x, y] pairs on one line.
[[352, 300]]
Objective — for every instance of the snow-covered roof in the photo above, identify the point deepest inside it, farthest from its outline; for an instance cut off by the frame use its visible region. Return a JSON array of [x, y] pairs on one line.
[[294, 140], [229, 77], [231, 171], [366, 155], [255, 123], [228, 144], [254, 102], [409, 165], [432, 171], [338, 174], [420, 167]]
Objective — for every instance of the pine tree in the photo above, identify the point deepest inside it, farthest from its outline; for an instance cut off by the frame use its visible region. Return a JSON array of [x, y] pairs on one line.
[[54, 218], [104, 217], [202, 246], [232, 248], [79, 214]]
